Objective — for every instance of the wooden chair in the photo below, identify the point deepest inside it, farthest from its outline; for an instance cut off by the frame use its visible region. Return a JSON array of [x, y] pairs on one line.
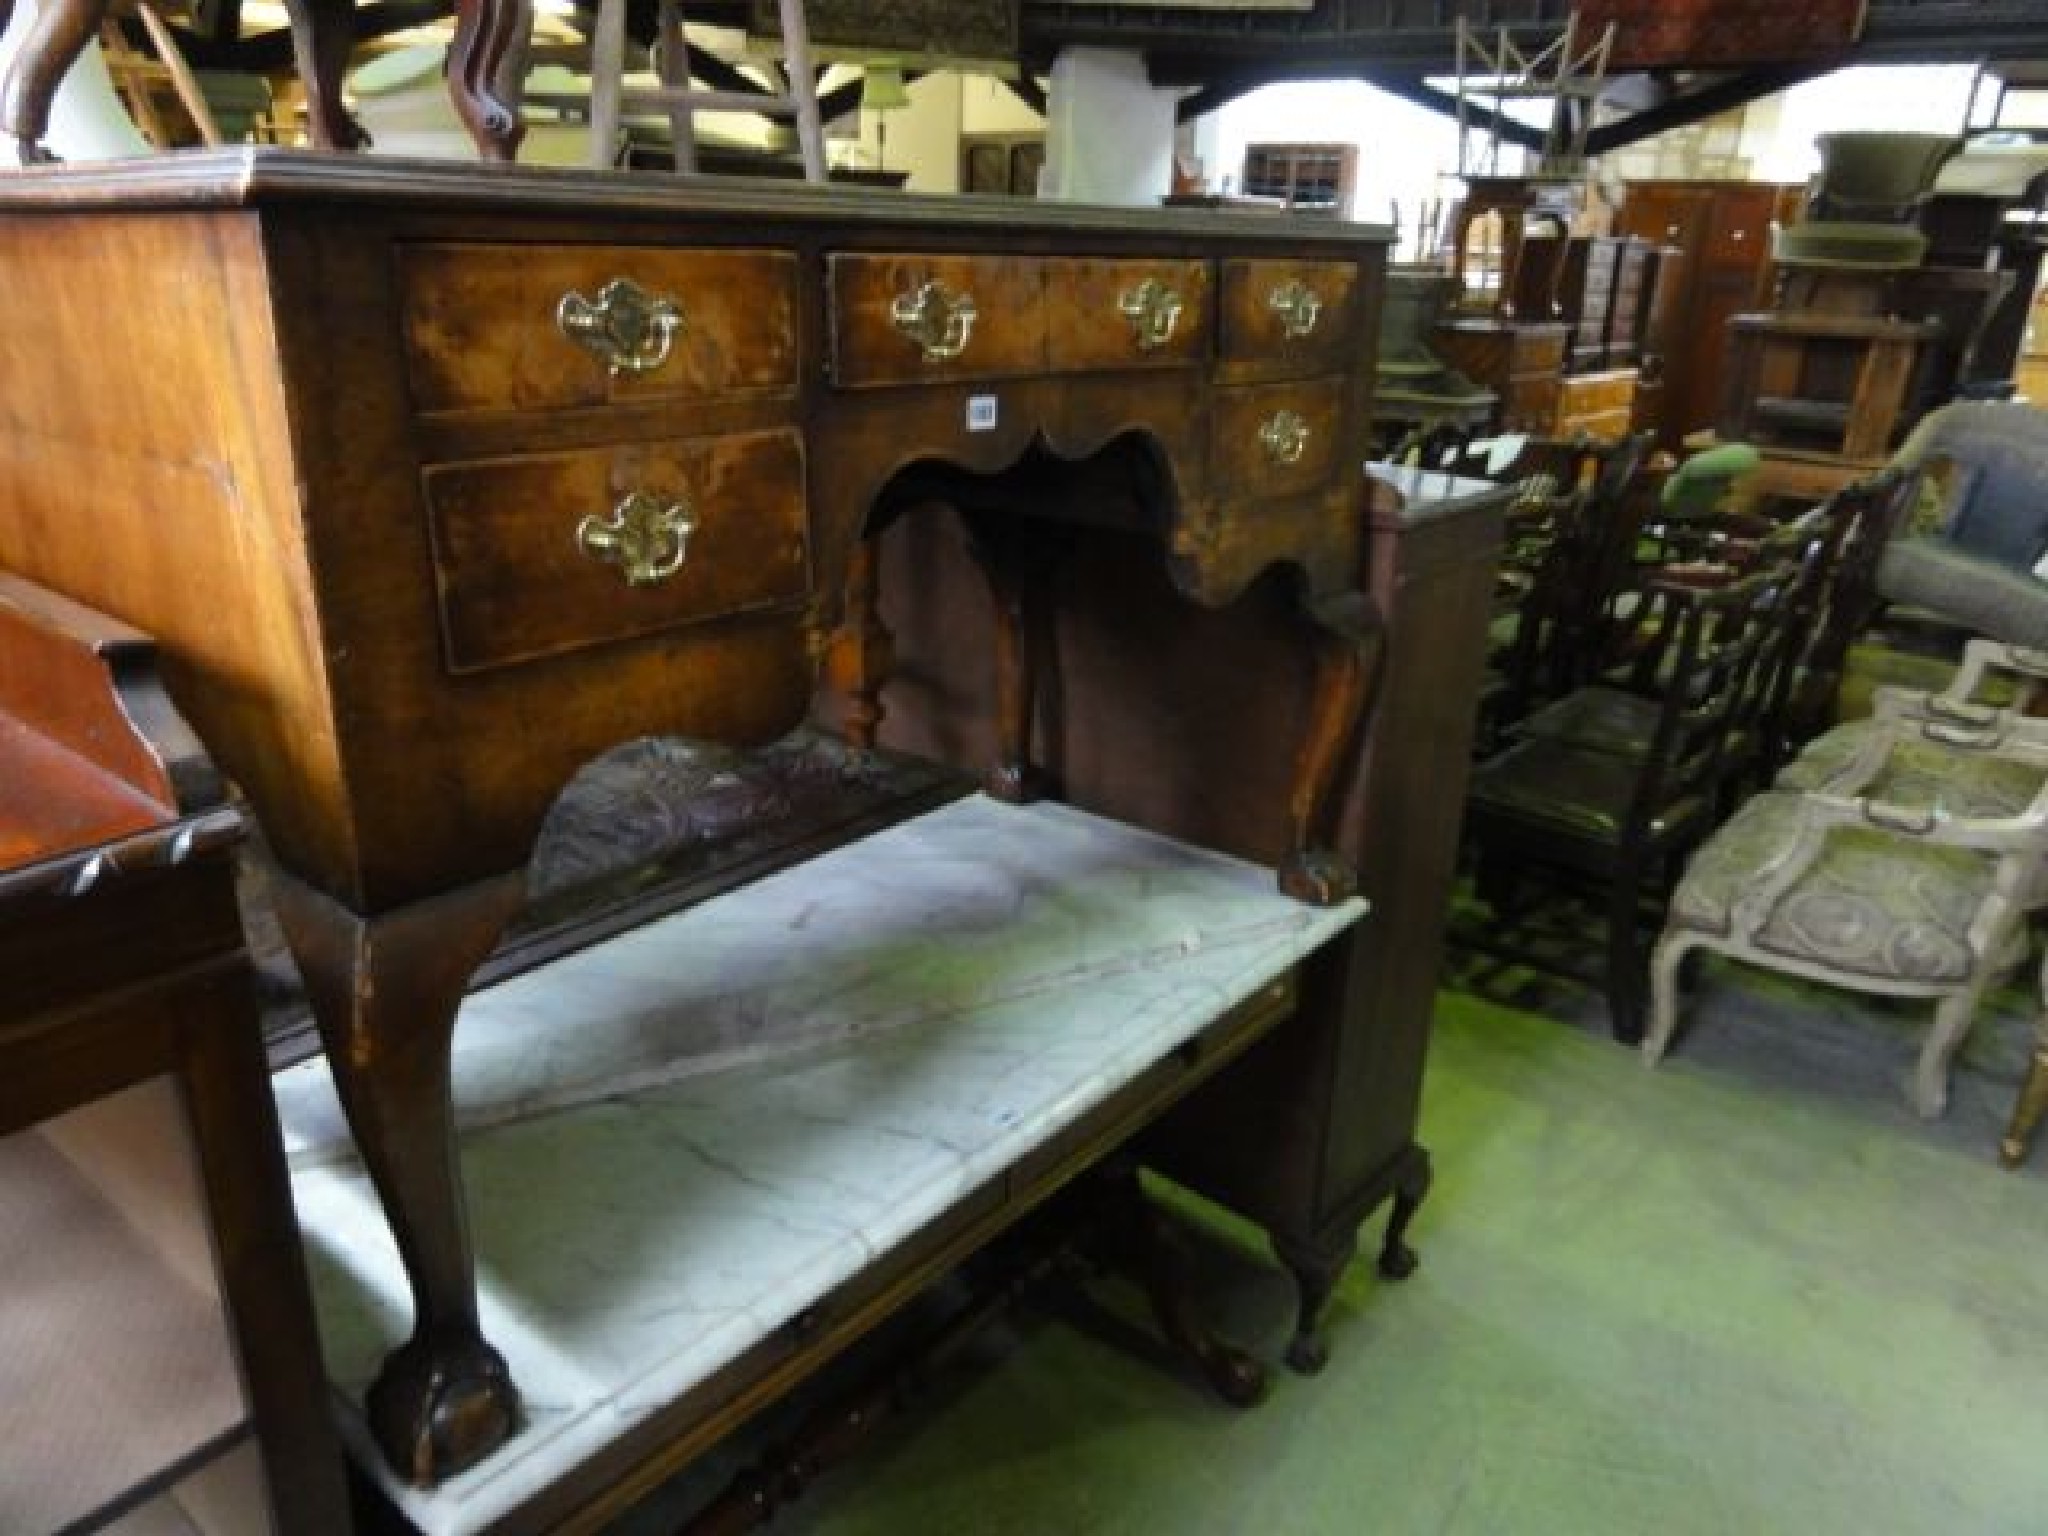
[[1567, 532], [1830, 553], [1612, 826], [610, 98]]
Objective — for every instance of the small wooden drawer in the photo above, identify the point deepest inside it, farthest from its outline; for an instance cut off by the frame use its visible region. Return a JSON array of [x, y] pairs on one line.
[[1276, 439], [1298, 313], [1602, 424], [1586, 393], [914, 319], [496, 327], [1126, 314], [534, 556]]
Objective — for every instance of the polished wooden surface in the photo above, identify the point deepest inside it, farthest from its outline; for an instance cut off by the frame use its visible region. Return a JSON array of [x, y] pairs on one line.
[[326, 426], [121, 961], [1720, 232]]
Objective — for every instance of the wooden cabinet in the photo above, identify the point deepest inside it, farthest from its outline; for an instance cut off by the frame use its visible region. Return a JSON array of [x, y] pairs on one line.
[[161, 1366], [1720, 232], [1519, 361]]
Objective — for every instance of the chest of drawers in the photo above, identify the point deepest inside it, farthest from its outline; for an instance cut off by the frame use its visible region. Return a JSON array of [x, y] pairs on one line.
[[436, 484]]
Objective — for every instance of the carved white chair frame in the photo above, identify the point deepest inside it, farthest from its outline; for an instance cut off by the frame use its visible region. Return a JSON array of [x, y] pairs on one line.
[[2018, 845]]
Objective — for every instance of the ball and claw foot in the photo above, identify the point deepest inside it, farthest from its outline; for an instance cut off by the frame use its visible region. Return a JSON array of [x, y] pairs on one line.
[[1397, 1260], [1017, 783], [1235, 1376], [1308, 1352], [435, 1411], [1318, 877]]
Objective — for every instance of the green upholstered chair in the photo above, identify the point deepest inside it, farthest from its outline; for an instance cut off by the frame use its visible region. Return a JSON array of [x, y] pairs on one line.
[[1907, 871]]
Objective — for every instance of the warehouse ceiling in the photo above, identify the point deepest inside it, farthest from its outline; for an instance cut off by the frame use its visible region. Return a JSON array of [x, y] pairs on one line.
[[1217, 52]]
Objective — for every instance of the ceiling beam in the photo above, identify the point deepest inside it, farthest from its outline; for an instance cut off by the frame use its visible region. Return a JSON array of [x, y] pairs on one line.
[[1693, 104]]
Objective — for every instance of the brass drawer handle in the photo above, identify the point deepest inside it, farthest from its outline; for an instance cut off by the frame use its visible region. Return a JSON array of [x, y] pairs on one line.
[[1284, 436], [938, 321], [627, 328], [645, 537], [1153, 310], [1298, 306]]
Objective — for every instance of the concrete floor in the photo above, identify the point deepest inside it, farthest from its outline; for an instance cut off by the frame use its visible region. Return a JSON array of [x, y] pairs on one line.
[[1744, 1293]]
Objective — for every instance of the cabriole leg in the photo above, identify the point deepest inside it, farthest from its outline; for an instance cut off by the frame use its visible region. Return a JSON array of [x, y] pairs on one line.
[[385, 991], [1348, 660]]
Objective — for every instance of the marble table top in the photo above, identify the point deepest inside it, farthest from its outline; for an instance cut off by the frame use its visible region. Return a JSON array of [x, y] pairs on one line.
[[677, 1140]]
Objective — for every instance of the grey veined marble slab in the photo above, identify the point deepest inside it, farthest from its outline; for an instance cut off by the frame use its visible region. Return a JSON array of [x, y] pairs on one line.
[[677, 1140]]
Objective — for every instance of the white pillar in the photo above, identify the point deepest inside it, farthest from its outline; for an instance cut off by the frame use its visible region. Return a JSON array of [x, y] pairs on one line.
[[1109, 132], [87, 120]]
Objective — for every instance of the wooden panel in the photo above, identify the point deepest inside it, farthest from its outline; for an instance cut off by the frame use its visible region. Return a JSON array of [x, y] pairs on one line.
[[1255, 331], [1537, 348], [515, 582], [1243, 461], [481, 331], [1738, 235], [1531, 405], [1005, 338], [1089, 328]]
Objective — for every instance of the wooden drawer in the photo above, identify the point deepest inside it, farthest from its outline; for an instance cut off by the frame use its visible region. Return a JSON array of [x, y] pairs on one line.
[[914, 319], [1590, 392], [1275, 439], [1295, 313], [485, 326], [529, 558], [1126, 314], [1601, 424]]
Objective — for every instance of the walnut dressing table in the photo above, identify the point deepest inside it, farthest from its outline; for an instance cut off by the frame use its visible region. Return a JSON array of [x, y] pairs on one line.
[[435, 481]]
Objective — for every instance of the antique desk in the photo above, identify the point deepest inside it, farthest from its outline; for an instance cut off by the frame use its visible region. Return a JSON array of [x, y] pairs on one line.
[[435, 481], [158, 1366]]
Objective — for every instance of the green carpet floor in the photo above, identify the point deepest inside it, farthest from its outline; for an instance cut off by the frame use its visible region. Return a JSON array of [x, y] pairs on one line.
[[1695, 1300]]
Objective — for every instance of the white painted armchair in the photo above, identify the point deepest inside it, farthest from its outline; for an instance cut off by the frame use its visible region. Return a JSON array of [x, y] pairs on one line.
[[1884, 878]]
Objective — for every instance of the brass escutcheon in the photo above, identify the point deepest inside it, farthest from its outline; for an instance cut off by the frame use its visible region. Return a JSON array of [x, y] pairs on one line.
[[1284, 436], [1153, 310], [645, 537], [938, 321], [627, 328], [1298, 306]]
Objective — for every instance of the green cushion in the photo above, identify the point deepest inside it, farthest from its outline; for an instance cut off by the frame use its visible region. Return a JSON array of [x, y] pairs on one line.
[[1874, 903], [1920, 773]]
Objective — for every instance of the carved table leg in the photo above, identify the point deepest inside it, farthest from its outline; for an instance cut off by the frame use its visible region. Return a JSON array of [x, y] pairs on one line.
[[1316, 1268], [1397, 1259], [1347, 673], [1019, 557], [384, 992], [1152, 1242], [323, 35], [56, 36], [486, 32], [862, 653]]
